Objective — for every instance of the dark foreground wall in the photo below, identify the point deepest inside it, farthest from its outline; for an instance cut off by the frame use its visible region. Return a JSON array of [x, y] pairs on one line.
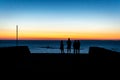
[[15, 50], [13, 55], [102, 51], [102, 55]]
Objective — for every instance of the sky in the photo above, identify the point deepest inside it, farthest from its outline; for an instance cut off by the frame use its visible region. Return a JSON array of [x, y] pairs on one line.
[[60, 19]]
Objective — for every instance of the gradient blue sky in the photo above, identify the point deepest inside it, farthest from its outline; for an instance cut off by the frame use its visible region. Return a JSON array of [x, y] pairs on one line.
[[49, 19]]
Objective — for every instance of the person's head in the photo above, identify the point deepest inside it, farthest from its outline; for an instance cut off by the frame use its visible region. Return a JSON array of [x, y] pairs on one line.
[[68, 38]]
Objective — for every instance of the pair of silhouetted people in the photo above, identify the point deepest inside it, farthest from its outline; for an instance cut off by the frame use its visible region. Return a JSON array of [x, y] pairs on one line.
[[76, 46], [68, 46]]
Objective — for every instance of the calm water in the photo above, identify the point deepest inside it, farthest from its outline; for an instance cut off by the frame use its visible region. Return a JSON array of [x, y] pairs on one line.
[[41, 46]]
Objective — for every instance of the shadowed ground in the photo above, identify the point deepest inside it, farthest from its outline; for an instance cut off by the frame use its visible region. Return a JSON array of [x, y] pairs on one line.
[[47, 62]]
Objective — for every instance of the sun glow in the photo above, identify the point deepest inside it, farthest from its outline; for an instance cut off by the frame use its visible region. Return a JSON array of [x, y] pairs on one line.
[[59, 35], [60, 19]]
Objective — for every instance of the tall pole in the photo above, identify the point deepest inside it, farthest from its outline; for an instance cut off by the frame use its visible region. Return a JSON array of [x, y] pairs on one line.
[[16, 35]]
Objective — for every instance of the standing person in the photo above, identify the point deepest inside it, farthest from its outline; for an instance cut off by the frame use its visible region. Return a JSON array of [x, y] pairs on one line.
[[74, 47], [68, 45], [78, 46], [61, 46]]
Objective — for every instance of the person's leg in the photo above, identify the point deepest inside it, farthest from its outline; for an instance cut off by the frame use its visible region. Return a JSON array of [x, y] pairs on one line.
[[63, 51], [77, 51], [70, 50], [74, 51]]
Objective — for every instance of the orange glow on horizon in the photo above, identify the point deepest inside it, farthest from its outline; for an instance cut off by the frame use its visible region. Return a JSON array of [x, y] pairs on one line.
[[59, 36]]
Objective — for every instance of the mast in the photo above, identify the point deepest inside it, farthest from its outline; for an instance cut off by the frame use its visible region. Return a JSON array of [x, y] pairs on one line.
[[16, 35]]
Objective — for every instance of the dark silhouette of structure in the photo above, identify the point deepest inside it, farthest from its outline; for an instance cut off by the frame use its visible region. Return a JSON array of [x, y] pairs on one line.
[[68, 45], [74, 47], [61, 46], [78, 46]]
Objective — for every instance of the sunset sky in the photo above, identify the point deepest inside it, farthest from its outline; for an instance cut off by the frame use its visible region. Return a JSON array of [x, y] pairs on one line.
[[60, 19]]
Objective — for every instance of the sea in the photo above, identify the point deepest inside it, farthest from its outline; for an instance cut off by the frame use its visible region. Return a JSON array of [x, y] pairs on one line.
[[53, 46]]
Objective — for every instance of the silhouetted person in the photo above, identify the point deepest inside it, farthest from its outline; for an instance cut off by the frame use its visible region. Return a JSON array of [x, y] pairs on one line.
[[61, 46], [74, 47], [68, 45], [78, 46]]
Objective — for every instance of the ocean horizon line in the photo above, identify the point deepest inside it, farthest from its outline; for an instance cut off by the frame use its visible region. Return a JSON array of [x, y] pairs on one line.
[[56, 40]]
